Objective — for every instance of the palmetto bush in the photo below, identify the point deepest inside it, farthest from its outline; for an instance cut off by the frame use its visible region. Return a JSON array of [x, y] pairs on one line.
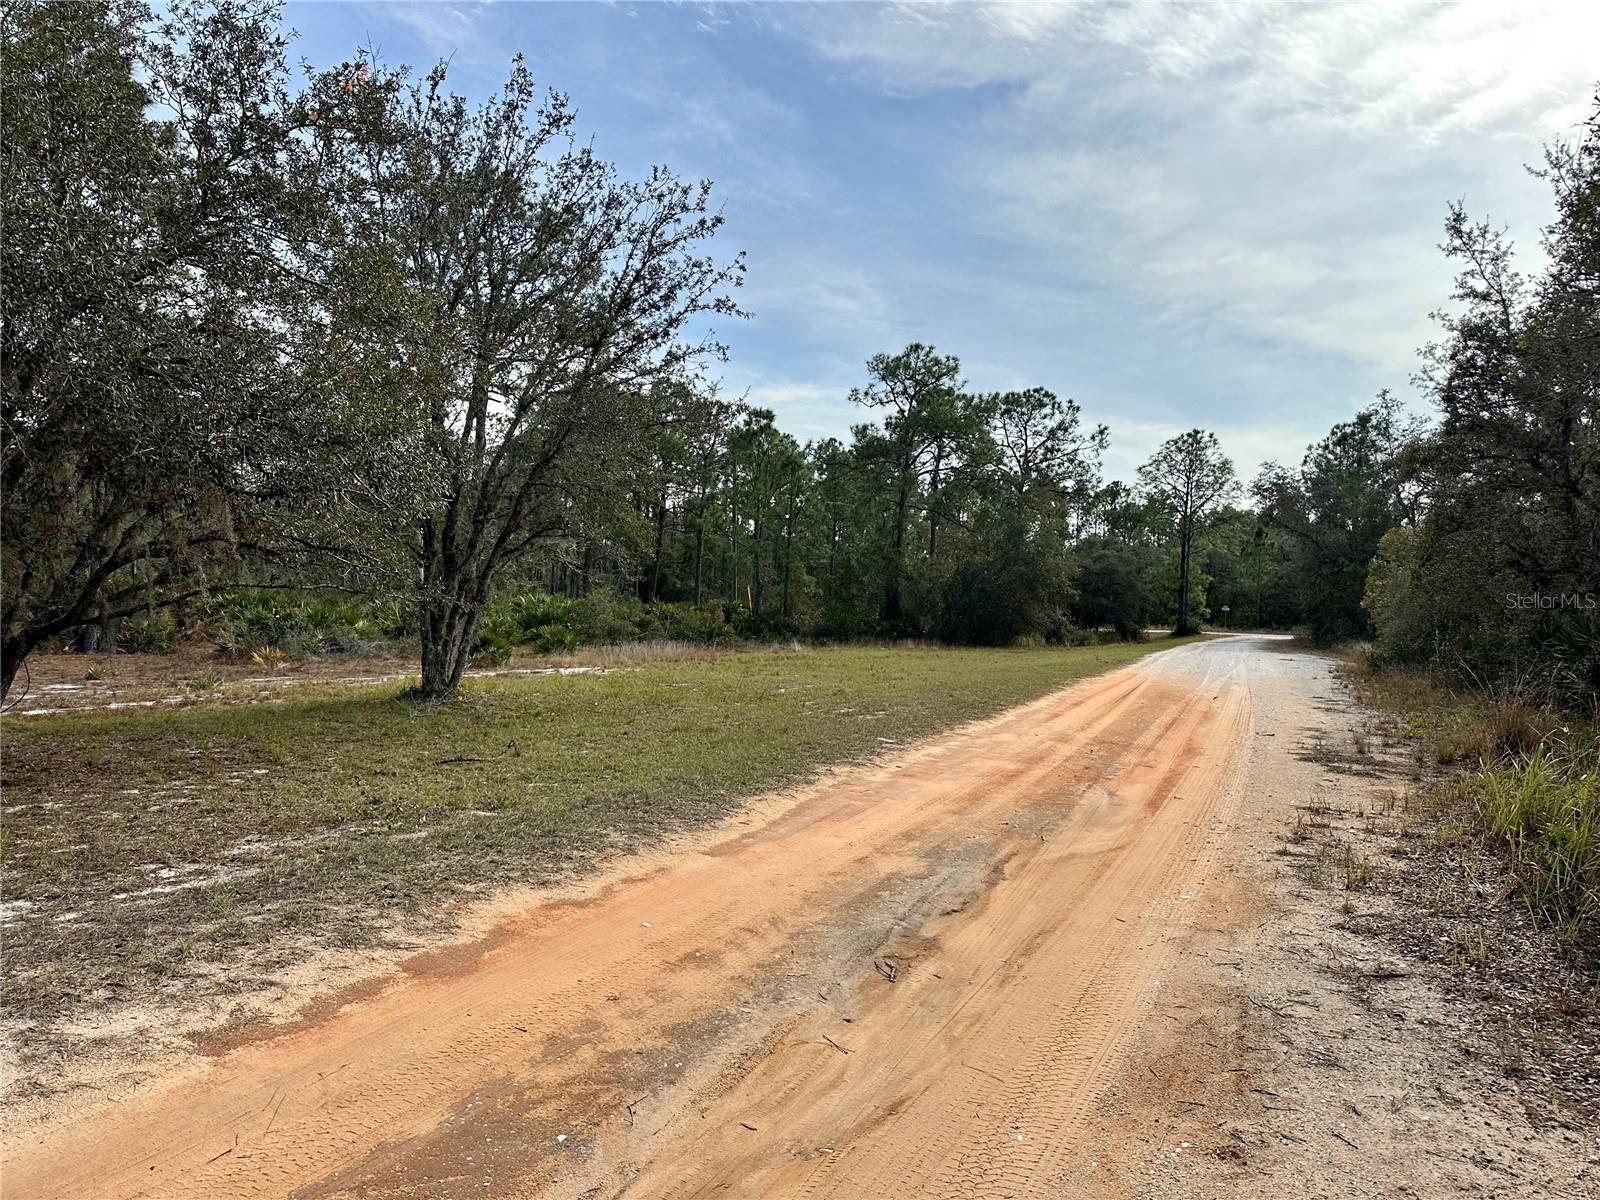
[[549, 624], [535, 619], [302, 625]]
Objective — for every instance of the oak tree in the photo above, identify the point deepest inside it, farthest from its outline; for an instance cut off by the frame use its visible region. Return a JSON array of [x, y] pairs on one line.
[[558, 296]]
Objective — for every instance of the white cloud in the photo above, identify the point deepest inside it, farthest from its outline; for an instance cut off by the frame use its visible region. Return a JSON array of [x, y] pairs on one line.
[[1179, 213], [1248, 446], [447, 29], [1279, 172], [838, 304], [806, 409], [1420, 67]]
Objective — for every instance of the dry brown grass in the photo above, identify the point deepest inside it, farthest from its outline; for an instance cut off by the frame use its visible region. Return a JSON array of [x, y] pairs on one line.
[[633, 654]]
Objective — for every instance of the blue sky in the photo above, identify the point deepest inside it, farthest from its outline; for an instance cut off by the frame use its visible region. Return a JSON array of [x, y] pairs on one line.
[[1177, 215]]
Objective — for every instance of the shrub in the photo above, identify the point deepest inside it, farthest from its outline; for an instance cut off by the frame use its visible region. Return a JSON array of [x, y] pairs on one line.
[[1016, 593], [706, 623], [268, 658], [1112, 587], [491, 649], [535, 619], [396, 619], [604, 616], [1433, 606], [1517, 728], [155, 633], [302, 625]]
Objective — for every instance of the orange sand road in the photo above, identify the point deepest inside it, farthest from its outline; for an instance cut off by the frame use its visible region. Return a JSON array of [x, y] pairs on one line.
[[909, 980]]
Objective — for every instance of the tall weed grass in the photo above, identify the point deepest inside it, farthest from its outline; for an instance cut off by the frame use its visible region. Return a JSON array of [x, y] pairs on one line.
[[1532, 790], [1543, 808]]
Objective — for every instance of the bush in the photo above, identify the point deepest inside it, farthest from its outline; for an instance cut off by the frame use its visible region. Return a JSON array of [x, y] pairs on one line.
[[301, 625], [268, 658], [547, 623], [396, 620], [604, 616], [491, 650], [1508, 729], [535, 619], [706, 623], [1111, 586], [154, 633], [1532, 792], [1088, 637], [1434, 605], [1024, 587]]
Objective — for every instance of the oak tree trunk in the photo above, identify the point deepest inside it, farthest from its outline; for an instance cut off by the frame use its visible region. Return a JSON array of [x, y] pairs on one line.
[[449, 626]]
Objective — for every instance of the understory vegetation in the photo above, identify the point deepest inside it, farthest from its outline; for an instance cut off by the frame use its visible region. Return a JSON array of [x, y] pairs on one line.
[[1522, 780], [1543, 809]]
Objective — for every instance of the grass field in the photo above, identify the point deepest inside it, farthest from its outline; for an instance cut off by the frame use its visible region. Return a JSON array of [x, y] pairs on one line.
[[142, 844]]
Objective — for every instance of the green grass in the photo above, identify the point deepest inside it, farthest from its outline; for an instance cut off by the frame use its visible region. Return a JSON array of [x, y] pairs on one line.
[[1543, 808], [1532, 788], [326, 816]]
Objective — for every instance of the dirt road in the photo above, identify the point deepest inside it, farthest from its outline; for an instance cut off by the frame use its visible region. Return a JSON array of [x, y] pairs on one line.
[[917, 978]]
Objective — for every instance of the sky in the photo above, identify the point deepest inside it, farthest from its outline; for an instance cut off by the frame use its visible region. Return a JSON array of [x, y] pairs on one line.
[[1177, 215]]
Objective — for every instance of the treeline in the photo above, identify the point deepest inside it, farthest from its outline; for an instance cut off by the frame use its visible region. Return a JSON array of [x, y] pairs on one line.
[[950, 514], [350, 332], [985, 518], [1497, 577]]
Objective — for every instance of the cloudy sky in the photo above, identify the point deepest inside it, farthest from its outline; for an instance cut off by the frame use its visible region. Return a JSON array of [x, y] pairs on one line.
[[1178, 215]]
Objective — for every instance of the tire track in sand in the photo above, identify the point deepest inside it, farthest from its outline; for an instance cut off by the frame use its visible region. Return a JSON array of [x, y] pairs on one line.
[[970, 1075], [1064, 829]]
